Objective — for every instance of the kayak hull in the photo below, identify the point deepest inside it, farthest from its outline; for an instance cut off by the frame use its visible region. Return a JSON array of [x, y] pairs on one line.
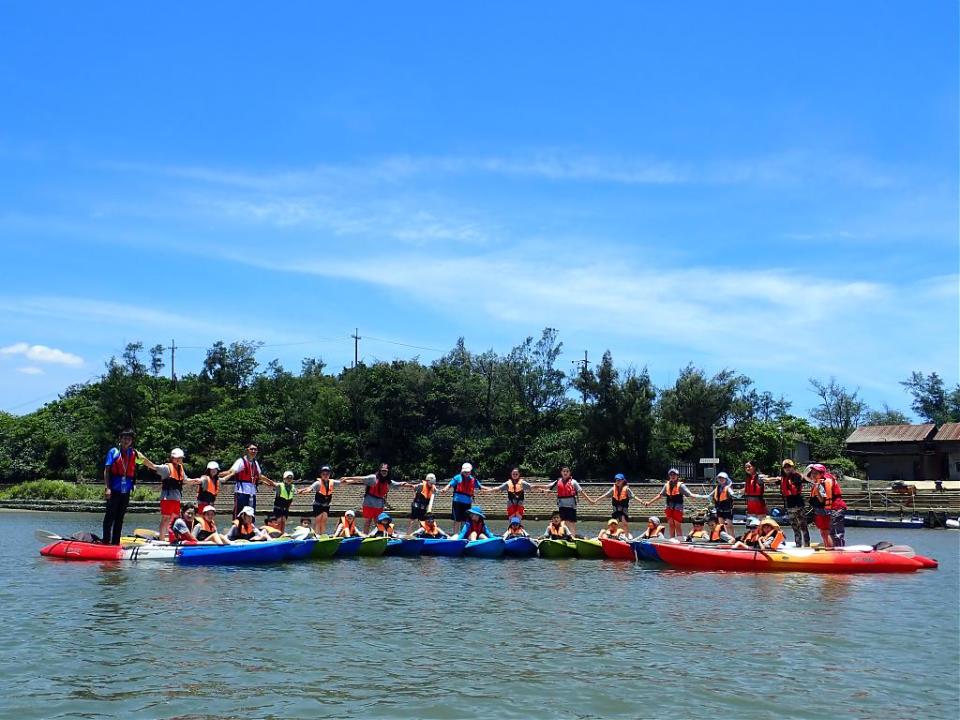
[[519, 547], [646, 550], [589, 549], [557, 549], [443, 547], [372, 547], [618, 550], [348, 547], [254, 553], [797, 560], [407, 547], [301, 548], [489, 548], [325, 548], [79, 550]]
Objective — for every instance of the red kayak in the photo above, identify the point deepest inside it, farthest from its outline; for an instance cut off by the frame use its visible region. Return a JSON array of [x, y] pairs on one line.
[[79, 550], [843, 560], [618, 549]]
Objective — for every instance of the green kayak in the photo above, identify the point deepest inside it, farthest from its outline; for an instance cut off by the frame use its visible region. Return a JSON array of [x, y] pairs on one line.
[[590, 549], [325, 548], [373, 547], [557, 549]]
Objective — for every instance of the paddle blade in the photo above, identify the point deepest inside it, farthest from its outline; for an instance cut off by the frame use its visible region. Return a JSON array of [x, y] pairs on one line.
[[146, 534], [46, 536]]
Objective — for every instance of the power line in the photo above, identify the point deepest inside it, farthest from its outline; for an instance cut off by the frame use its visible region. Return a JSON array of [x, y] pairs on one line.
[[408, 345]]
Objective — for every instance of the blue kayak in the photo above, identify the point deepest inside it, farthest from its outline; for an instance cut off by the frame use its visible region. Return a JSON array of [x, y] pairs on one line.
[[519, 547], [489, 548], [407, 547], [254, 553], [444, 547], [646, 550], [349, 547], [301, 548]]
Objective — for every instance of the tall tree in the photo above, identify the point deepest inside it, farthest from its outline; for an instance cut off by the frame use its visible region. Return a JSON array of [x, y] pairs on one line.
[[931, 400], [840, 411]]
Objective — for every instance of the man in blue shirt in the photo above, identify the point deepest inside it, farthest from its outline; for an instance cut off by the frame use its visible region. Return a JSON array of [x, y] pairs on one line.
[[119, 477], [465, 486]]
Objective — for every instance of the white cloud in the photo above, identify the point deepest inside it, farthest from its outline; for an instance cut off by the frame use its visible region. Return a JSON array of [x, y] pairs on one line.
[[30, 370], [42, 354]]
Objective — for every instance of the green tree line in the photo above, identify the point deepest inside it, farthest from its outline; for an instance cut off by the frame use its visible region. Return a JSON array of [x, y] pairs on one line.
[[496, 410]]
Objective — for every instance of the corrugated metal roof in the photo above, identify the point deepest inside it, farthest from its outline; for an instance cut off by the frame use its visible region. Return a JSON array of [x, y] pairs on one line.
[[948, 431], [891, 433]]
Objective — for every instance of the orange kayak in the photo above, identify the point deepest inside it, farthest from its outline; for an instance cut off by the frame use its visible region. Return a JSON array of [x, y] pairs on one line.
[[841, 560]]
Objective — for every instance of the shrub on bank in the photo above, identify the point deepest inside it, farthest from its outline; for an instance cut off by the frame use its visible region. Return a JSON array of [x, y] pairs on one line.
[[62, 490]]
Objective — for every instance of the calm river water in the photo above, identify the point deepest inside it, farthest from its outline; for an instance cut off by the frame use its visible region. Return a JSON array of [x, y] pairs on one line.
[[438, 638]]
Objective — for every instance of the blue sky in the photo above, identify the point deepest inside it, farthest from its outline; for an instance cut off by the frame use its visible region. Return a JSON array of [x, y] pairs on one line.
[[766, 186]]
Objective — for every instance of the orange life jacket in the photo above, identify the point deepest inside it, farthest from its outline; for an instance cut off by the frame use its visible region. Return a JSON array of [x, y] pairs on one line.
[[672, 489], [721, 494], [832, 490], [777, 536], [209, 485], [348, 526], [656, 531], [789, 488], [207, 527], [621, 494], [716, 531], [427, 490], [557, 532], [325, 489], [515, 492]]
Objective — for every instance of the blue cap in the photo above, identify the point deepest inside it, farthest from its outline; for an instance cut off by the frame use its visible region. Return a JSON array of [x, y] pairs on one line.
[[476, 510], [619, 476], [382, 517], [516, 520]]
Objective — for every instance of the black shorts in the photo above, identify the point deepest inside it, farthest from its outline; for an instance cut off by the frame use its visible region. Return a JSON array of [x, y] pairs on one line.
[[281, 511], [459, 511], [320, 509], [418, 511], [568, 514], [205, 498], [725, 514], [620, 516]]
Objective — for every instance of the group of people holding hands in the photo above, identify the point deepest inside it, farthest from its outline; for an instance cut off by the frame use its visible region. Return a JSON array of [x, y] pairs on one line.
[[824, 497]]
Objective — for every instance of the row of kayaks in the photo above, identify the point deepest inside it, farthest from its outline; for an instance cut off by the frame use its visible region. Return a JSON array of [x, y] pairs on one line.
[[690, 556]]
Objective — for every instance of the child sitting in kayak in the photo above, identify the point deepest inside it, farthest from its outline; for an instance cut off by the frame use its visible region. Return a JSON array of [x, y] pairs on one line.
[[613, 531], [348, 526], [429, 529], [273, 526], [750, 539], [245, 528], [770, 536], [698, 534], [181, 530], [475, 528], [205, 530], [653, 530], [384, 526], [515, 529], [557, 529]]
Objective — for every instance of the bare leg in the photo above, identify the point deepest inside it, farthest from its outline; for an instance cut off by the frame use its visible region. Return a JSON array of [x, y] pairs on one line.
[[573, 528], [165, 521]]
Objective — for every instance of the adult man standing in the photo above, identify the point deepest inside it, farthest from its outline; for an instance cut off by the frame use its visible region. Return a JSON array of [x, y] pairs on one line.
[[119, 477], [791, 488], [247, 476], [375, 494]]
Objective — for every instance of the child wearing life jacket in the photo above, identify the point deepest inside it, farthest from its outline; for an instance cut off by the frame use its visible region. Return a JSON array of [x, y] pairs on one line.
[[557, 529], [613, 531], [384, 526], [769, 536], [750, 538], [284, 498], [620, 495], [698, 534], [516, 488], [246, 528], [181, 530], [515, 529], [429, 529], [205, 530], [475, 528], [272, 527], [348, 526], [322, 491], [422, 498], [653, 530]]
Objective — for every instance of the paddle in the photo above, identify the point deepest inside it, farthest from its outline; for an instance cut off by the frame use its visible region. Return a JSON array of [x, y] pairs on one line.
[[45, 536], [146, 534]]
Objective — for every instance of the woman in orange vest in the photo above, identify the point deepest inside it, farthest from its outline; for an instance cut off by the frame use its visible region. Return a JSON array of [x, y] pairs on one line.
[[753, 489], [515, 487], [653, 530], [826, 499], [422, 499], [674, 490], [323, 496], [209, 485], [620, 495], [172, 479], [568, 490]]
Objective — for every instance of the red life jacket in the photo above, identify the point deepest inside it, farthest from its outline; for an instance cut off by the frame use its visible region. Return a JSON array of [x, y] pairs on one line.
[[466, 486], [124, 466], [379, 489], [753, 487], [788, 487], [477, 526], [566, 489], [249, 472], [832, 490]]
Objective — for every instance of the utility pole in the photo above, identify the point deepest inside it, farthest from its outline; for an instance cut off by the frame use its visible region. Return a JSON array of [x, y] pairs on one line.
[[356, 346], [584, 364], [173, 367]]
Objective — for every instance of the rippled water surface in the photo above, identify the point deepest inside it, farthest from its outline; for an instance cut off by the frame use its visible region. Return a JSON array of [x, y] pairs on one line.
[[440, 638]]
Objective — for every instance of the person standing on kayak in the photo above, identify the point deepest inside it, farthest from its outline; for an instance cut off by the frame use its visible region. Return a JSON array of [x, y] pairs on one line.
[[378, 486], [791, 488], [323, 496], [119, 477], [674, 490], [826, 498], [722, 498], [246, 475], [515, 487], [465, 486], [422, 498], [568, 490], [286, 492], [209, 485], [172, 479], [753, 489], [620, 495]]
